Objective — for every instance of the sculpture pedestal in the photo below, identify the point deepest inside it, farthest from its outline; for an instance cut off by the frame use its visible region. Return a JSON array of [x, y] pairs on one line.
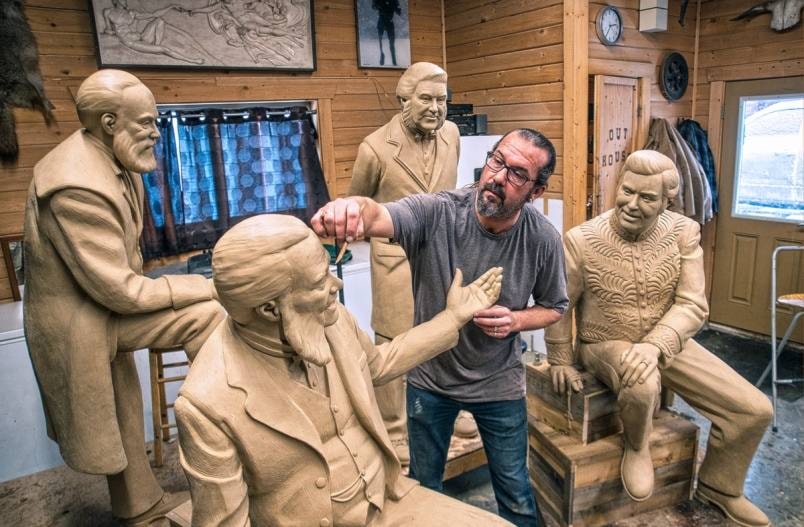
[[579, 484]]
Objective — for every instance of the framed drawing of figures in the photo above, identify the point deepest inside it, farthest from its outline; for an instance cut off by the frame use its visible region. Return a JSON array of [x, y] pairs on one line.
[[219, 34], [383, 34]]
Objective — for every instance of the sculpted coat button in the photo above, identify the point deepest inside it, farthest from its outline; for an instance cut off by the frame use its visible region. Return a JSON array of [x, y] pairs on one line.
[[324, 522], [335, 409], [321, 483]]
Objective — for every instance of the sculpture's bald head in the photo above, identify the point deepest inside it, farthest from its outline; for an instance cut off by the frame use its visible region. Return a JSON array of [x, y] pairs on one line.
[[118, 109], [100, 93]]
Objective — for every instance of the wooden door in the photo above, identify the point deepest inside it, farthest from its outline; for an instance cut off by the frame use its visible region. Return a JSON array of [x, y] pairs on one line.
[[616, 112], [761, 202]]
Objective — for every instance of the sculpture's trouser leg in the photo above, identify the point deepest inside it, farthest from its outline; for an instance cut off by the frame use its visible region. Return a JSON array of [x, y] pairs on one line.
[[427, 508], [392, 402], [739, 413], [135, 489], [637, 403]]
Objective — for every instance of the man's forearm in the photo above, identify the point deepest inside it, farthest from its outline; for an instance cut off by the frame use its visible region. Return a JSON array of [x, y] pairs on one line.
[[535, 317]]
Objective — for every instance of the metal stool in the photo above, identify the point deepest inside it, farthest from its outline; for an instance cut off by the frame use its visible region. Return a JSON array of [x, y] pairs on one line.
[[794, 301], [159, 404]]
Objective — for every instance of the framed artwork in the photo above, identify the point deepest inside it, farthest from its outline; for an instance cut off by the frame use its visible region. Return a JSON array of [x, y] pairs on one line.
[[11, 247], [383, 34], [212, 34]]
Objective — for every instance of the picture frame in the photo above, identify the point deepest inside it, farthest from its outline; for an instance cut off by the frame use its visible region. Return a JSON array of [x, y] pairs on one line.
[[11, 247], [383, 34], [200, 34]]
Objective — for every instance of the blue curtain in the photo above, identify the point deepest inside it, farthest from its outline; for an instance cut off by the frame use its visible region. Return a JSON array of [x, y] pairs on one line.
[[225, 170]]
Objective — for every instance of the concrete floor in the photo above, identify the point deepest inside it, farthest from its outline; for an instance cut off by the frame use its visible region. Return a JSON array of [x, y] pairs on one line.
[[776, 478], [63, 498]]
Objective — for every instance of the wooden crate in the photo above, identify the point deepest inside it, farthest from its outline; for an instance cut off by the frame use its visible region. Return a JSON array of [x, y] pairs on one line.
[[579, 485], [593, 412]]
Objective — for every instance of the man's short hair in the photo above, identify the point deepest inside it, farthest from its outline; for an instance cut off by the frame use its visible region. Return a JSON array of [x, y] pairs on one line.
[[650, 163], [100, 93], [416, 73], [539, 140], [250, 263]]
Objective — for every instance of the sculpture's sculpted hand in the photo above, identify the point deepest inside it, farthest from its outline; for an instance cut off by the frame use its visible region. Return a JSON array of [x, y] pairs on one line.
[[640, 360], [463, 302], [565, 378]]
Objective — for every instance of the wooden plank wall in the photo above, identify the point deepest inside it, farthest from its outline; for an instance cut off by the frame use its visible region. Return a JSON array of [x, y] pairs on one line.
[[639, 48], [357, 100], [506, 58]]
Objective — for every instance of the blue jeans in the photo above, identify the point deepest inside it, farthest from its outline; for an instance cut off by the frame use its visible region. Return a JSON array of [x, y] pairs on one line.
[[504, 431]]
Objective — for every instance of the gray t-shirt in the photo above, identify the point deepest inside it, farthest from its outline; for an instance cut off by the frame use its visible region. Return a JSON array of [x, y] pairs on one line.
[[440, 232]]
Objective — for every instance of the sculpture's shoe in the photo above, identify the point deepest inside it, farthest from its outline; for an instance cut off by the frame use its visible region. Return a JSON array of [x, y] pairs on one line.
[[169, 501], [401, 450], [465, 425], [636, 472], [736, 508]]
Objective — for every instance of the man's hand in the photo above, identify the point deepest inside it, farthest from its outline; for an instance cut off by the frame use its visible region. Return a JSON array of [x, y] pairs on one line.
[[496, 321], [640, 360], [463, 302], [564, 378], [340, 219]]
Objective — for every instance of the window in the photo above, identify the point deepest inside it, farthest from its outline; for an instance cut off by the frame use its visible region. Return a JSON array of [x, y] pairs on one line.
[[220, 165], [769, 174]]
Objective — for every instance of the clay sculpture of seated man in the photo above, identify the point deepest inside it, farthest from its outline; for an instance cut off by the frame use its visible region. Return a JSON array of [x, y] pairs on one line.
[[635, 280], [278, 421]]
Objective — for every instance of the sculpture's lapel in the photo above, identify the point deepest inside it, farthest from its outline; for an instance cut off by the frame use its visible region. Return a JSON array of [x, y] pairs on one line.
[[442, 149], [406, 157], [266, 393]]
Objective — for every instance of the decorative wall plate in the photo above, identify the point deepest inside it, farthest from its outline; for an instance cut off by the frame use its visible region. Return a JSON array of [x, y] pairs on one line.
[[674, 76]]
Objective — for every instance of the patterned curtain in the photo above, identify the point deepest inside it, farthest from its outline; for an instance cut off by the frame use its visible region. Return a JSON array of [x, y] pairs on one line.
[[226, 170]]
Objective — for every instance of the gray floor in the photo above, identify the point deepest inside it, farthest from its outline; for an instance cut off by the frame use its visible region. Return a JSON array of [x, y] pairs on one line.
[[776, 478], [63, 498]]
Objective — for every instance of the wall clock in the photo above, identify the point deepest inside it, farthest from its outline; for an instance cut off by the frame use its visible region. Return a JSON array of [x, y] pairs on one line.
[[609, 25], [674, 76]]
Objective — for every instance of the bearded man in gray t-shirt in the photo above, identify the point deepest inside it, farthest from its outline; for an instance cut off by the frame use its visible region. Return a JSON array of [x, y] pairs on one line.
[[471, 229]]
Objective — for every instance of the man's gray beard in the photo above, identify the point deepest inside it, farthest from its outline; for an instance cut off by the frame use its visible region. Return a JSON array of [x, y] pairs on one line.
[[306, 336], [410, 124], [489, 209], [126, 151]]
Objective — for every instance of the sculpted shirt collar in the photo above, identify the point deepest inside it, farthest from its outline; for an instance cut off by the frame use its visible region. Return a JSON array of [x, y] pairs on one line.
[[415, 135], [624, 234], [263, 343], [107, 152]]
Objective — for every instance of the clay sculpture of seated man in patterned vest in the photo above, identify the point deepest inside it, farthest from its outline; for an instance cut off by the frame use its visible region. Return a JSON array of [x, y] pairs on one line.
[[635, 279], [278, 421]]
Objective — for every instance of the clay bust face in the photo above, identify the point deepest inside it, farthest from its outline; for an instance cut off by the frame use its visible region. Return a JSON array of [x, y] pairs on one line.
[[311, 304], [499, 198], [134, 130], [640, 199], [426, 109]]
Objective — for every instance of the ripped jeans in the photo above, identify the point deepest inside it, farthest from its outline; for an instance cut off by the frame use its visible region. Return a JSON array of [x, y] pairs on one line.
[[503, 426]]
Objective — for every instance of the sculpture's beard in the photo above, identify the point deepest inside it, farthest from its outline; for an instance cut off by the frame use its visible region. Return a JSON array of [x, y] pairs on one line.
[[410, 122], [136, 156], [305, 333], [496, 209]]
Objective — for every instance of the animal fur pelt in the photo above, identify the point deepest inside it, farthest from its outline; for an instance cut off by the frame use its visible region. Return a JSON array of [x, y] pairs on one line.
[[784, 13], [20, 80]]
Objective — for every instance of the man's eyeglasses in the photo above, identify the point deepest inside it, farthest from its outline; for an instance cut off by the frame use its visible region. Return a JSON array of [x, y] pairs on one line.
[[516, 176]]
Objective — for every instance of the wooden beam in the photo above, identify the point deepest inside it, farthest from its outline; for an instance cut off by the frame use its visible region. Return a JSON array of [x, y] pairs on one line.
[[327, 145], [717, 94], [621, 68], [576, 102]]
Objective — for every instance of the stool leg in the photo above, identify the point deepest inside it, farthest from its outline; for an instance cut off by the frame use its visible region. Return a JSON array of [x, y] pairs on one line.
[[156, 412]]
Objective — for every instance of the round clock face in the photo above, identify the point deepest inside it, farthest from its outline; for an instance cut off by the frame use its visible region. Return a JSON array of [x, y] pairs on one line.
[[609, 25]]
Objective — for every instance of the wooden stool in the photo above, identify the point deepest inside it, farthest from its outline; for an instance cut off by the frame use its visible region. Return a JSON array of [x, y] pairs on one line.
[[159, 404], [575, 449]]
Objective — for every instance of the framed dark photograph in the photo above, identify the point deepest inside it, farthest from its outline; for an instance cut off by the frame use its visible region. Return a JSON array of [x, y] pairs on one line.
[[383, 34], [212, 34]]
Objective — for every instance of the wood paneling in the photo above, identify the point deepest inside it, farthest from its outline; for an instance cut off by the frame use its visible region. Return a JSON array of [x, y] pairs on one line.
[[352, 101], [506, 58]]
